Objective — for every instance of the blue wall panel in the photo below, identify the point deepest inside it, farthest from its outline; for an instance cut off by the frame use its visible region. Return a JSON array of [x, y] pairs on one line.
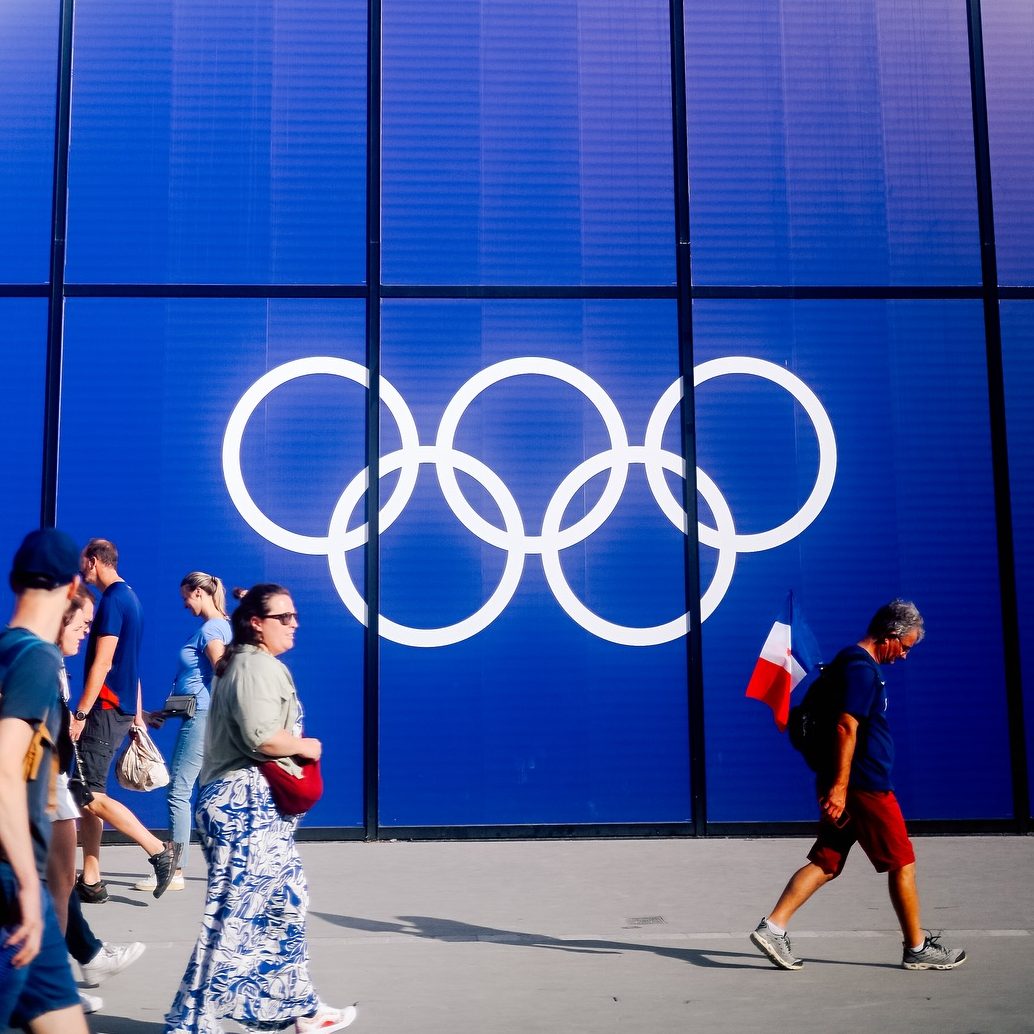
[[1018, 349], [830, 143], [530, 144], [218, 143], [527, 142], [535, 718], [141, 464], [28, 102], [1009, 63], [911, 513], [24, 355]]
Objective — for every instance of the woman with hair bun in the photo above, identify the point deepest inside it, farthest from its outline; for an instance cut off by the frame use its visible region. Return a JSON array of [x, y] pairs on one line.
[[251, 960], [204, 596]]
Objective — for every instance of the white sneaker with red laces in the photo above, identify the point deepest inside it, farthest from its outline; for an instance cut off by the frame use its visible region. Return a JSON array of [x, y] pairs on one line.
[[326, 1020]]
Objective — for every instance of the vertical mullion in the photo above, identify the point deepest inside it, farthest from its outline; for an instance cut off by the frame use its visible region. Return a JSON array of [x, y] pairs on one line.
[[997, 419], [56, 299], [684, 305], [371, 653]]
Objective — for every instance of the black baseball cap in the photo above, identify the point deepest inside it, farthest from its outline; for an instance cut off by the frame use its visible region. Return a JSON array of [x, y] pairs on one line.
[[46, 558]]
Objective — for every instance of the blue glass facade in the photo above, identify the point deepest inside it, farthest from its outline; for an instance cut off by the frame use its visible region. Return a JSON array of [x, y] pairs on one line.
[[527, 143], [1009, 49], [24, 350], [252, 229], [218, 144], [831, 146], [1018, 348], [28, 99], [150, 458], [906, 516]]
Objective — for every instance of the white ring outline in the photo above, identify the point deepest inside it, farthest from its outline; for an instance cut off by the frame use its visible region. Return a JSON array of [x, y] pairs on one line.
[[626, 635], [567, 374], [412, 455], [749, 542], [446, 635], [333, 366]]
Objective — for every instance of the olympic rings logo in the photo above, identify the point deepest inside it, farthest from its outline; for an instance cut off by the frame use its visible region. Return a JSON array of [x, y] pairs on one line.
[[553, 537]]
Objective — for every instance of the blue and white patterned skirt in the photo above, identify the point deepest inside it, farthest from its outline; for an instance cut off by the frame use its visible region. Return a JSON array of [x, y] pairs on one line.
[[251, 960]]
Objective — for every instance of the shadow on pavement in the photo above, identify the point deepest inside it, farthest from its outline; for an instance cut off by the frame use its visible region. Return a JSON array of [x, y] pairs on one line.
[[123, 1025], [450, 930], [137, 902]]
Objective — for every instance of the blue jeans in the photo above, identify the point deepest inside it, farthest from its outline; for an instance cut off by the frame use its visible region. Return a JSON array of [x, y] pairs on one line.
[[187, 756], [82, 943]]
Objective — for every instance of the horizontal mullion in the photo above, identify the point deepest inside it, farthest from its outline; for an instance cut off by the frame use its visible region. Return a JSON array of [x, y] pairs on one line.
[[796, 292], [24, 290]]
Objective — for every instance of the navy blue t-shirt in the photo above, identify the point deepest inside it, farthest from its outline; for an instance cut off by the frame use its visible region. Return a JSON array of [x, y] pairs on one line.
[[119, 614], [29, 669], [865, 698]]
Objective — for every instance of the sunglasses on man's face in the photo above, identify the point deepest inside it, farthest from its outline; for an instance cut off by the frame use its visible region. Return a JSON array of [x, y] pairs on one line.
[[905, 648]]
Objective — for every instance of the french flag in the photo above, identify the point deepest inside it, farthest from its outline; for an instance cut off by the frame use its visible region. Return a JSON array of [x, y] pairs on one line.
[[789, 654]]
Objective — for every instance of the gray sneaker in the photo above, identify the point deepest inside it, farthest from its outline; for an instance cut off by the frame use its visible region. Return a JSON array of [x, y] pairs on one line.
[[776, 946], [933, 955]]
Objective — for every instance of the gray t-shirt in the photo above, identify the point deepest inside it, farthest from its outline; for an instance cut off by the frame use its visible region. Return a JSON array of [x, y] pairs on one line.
[[253, 699]]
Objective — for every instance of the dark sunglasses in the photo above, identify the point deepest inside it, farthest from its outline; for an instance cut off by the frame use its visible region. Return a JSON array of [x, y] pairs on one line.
[[905, 650], [285, 619]]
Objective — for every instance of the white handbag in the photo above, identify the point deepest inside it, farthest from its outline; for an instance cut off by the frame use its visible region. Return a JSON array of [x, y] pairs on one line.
[[140, 765]]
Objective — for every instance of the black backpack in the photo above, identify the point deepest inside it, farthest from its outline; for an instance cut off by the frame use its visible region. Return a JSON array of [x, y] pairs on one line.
[[812, 723]]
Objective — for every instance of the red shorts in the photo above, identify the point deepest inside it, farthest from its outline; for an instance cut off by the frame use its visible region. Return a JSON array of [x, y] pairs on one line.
[[875, 821]]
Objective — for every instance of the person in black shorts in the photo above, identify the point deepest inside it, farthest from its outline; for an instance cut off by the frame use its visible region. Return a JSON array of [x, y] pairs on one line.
[[104, 715]]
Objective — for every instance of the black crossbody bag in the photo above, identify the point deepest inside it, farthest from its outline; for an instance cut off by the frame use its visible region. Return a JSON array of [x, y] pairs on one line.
[[180, 706]]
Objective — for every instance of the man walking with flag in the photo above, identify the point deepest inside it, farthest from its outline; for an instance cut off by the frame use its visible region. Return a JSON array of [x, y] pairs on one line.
[[857, 799]]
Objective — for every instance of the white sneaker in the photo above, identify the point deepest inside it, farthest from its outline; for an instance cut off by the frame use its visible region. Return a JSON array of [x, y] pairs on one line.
[[90, 1003], [111, 959], [150, 882], [326, 1020]]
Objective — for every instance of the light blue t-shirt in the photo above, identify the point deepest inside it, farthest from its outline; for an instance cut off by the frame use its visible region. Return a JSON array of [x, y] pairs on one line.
[[195, 671]]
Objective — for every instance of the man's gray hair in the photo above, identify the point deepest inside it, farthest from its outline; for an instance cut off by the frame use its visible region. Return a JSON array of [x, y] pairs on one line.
[[895, 619]]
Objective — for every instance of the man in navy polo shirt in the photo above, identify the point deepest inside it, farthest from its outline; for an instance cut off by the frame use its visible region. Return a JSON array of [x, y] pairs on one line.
[[37, 990], [105, 714], [857, 798]]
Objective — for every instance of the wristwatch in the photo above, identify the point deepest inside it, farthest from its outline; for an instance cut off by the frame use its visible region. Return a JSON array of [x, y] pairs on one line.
[[80, 716]]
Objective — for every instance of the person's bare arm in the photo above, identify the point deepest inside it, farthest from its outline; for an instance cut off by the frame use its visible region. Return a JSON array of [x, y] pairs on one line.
[[283, 744], [214, 651], [103, 658], [835, 800]]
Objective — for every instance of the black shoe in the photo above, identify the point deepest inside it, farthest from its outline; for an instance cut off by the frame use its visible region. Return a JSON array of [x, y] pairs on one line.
[[91, 893], [164, 863]]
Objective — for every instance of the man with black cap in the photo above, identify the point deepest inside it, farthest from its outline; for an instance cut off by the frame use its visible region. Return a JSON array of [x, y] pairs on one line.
[[37, 989]]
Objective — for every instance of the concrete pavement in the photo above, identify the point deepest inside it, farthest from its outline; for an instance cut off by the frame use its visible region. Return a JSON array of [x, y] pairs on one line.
[[613, 936]]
